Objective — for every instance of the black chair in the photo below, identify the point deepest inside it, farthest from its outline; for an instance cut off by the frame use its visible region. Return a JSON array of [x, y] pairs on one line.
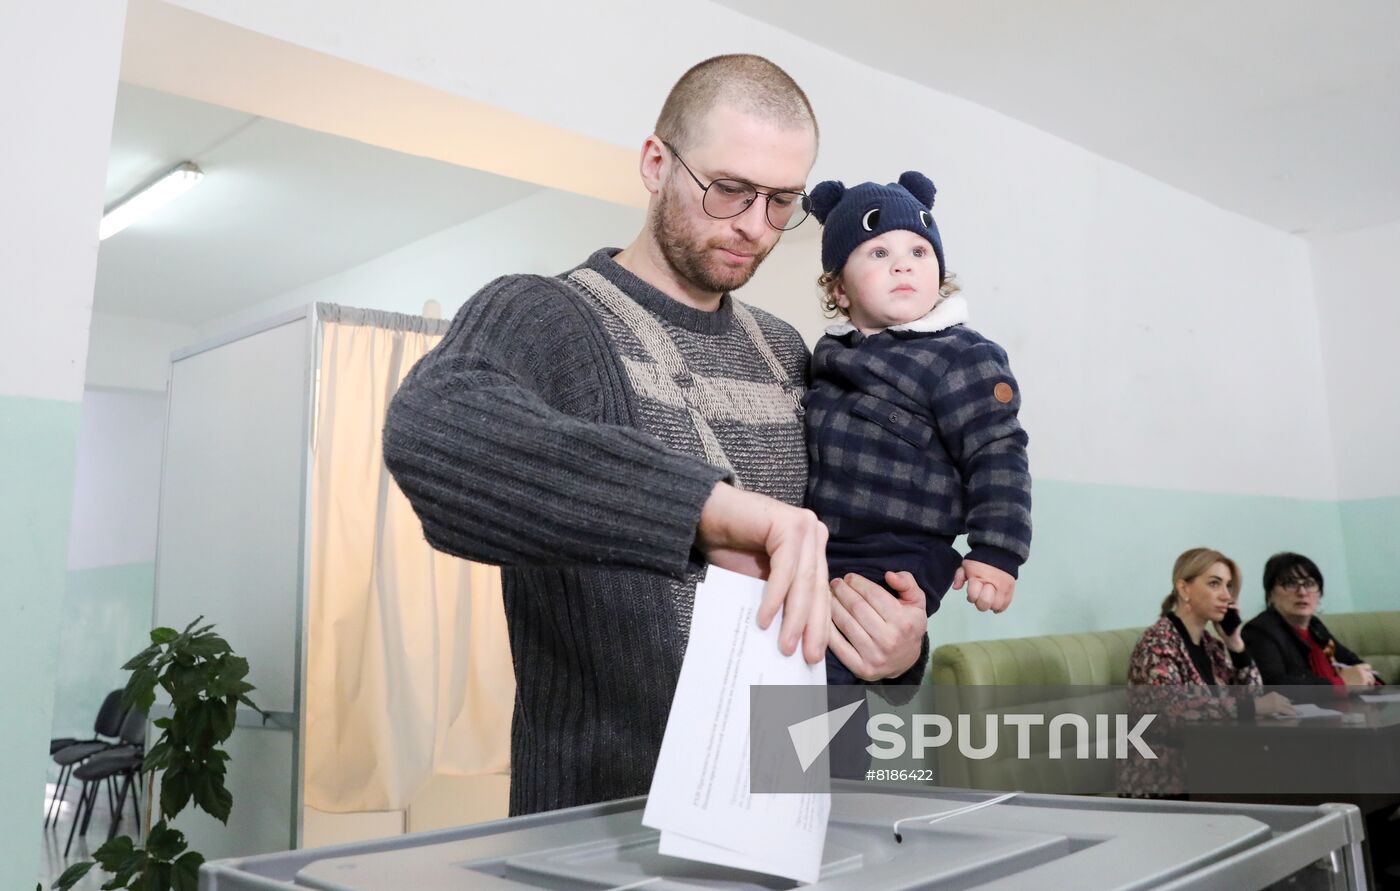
[[121, 762], [68, 753]]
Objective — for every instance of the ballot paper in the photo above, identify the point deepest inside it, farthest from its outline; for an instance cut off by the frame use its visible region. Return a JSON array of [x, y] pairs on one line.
[[1380, 697], [700, 798], [1308, 710]]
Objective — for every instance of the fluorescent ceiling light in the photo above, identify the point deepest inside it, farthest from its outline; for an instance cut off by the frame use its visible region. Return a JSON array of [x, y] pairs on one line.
[[148, 198]]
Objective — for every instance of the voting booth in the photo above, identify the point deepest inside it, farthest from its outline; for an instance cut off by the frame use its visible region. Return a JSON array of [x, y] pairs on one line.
[[382, 666], [1028, 842]]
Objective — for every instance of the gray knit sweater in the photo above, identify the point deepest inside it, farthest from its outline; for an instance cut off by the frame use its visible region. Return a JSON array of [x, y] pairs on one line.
[[541, 435]]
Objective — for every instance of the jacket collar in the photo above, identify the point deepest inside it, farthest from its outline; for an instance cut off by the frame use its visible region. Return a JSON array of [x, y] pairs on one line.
[[1318, 630], [946, 313]]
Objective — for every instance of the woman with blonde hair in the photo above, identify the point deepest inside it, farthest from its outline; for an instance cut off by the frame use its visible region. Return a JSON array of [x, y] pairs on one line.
[[1184, 661]]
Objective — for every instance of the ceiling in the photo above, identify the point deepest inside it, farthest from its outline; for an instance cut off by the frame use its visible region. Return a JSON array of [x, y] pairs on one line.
[[1285, 111], [280, 207]]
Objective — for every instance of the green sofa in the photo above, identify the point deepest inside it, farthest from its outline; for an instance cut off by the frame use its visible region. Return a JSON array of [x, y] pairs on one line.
[[1374, 637], [1098, 658]]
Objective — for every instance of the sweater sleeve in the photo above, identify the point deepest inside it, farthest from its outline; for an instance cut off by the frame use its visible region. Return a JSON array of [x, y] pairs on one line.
[[975, 404], [494, 439]]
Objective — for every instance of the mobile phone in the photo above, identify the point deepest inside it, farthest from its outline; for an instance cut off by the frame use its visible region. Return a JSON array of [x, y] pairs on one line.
[[1231, 621]]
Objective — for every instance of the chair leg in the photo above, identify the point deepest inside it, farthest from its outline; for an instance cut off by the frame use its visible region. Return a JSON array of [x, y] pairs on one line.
[[77, 818], [136, 799], [92, 806], [53, 802], [61, 788], [121, 807]]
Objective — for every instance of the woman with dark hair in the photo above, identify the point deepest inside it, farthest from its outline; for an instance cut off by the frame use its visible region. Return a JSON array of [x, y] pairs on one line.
[[1288, 641], [1177, 666]]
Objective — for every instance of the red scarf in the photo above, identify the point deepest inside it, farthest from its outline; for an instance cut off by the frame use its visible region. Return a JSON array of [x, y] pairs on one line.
[[1319, 659]]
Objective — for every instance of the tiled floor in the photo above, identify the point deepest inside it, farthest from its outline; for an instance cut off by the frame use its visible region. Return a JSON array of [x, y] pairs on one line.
[[52, 863]]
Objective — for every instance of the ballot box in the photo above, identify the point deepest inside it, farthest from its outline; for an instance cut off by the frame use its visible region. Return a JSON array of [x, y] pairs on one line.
[[1027, 842]]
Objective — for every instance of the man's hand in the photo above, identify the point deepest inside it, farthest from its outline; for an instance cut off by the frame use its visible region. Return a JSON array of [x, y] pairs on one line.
[[761, 536], [874, 634], [988, 588]]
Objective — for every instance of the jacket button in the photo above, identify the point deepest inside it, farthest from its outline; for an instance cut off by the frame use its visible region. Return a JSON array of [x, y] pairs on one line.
[[894, 417]]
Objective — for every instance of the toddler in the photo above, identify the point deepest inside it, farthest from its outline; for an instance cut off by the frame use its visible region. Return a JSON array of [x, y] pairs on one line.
[[911, 415]]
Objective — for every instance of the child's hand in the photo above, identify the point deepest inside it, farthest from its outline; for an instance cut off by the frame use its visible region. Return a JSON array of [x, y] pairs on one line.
[[988, 588]]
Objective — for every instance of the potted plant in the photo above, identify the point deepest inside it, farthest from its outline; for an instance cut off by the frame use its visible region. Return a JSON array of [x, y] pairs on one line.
[[205, 681]]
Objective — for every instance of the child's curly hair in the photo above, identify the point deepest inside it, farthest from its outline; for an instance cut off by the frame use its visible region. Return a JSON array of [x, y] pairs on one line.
[[827, 283]]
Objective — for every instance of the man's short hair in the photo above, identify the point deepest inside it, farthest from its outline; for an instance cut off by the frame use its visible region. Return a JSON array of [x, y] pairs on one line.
[[747, 83]]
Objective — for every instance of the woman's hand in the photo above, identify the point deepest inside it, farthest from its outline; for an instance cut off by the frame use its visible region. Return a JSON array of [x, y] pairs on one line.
[[1273, 704], [1234, 642], [1359, 675]]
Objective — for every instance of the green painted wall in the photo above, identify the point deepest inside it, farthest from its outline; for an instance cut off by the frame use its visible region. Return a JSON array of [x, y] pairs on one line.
[[1102, 556], [106, 620], [38, 442], [1371, 529]]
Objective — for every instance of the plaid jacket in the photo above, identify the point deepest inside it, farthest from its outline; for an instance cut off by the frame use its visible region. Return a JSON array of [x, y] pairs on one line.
[[914, 429]]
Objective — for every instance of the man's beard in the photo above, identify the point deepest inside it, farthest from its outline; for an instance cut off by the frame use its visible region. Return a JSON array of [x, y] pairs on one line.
[[693, 261]]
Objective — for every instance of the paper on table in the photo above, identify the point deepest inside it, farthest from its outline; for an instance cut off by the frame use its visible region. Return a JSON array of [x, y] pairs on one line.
[[1380, 697], [1308, 710], [700, 798]]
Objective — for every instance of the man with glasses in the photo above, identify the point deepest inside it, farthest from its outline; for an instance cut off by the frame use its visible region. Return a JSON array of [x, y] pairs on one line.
[[603, 434], [1288, 641]]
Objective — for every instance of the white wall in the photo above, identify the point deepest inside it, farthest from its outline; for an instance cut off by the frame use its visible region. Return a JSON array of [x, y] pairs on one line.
[[116, 485], [546, 233], [1161, 342], [1358, 299], [111, 551], [58, 85], [127, 353], [58, 88]]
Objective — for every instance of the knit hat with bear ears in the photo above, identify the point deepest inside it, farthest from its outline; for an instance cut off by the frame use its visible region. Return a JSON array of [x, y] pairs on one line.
[[852, 216]]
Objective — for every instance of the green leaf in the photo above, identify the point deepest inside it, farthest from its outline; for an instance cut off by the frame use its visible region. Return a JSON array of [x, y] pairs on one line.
[[174, 791], [221, 722], [141, 658], [185, 875], [211, 796], [140, 689], [114, 853], [238, 688], [158, 878], [122, 859], [163, 635], [185, 681], [197, 732], [165, 843], [157, 758], [235, 667], [208, 646], [70, 876]]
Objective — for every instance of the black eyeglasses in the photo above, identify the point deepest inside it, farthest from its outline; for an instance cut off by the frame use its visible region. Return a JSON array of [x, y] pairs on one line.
[[727, 198], [1300, 586]]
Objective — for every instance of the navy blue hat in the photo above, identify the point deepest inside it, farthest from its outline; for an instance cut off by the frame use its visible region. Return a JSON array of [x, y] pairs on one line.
[[852, 216]]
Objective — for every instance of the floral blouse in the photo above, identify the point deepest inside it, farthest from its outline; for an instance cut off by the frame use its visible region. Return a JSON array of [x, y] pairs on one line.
[[1168, 683]]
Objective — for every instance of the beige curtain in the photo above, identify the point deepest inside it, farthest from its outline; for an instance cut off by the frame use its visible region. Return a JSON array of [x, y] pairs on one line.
[[408, 664]]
